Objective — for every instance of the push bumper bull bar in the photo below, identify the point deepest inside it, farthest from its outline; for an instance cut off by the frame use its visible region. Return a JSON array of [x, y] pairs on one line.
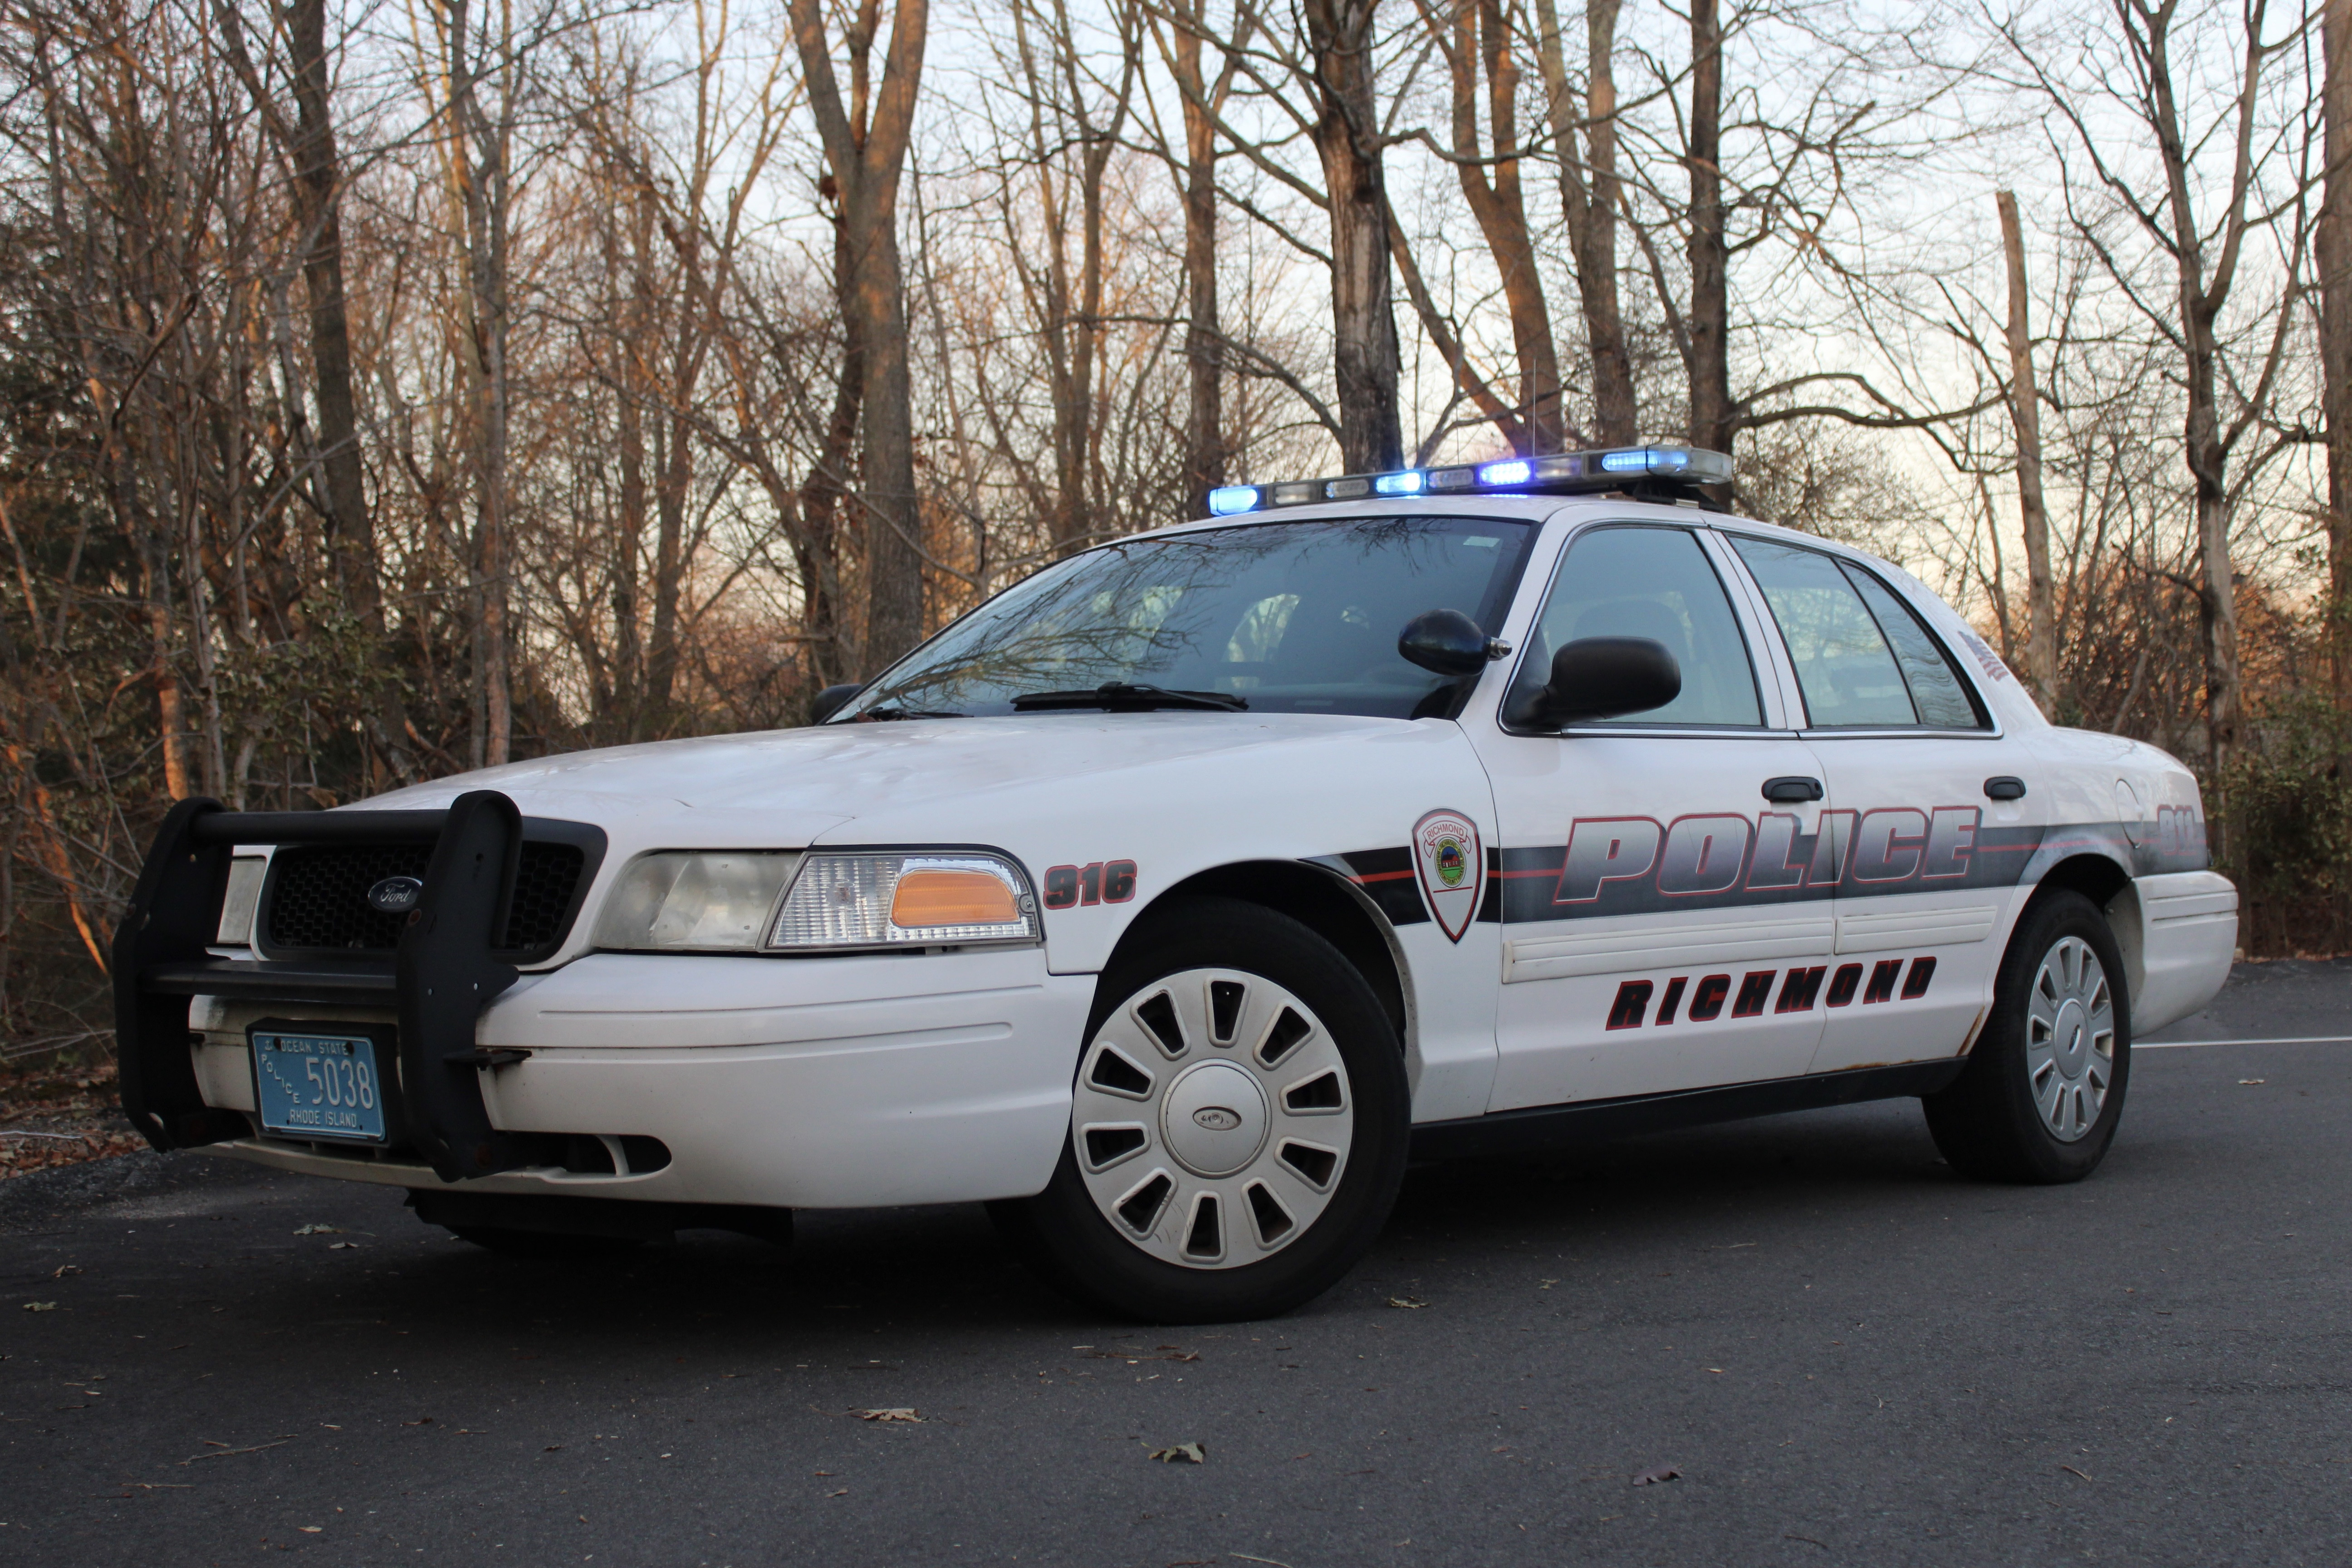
[[443, 974]]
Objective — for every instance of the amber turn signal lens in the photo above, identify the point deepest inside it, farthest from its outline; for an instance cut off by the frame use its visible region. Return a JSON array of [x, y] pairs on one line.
[[952, 899]]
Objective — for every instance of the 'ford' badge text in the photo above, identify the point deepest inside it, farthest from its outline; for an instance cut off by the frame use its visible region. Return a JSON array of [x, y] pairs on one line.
[[395, 895]]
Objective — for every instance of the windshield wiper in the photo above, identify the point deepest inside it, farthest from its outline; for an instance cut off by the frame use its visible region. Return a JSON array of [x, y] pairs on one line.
[[1121, 696], [893, 711]]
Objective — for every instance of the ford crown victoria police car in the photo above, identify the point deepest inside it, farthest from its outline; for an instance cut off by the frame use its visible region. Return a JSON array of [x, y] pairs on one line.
[[1171, 898]]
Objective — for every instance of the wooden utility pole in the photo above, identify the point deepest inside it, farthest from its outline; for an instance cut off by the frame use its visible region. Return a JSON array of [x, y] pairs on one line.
[[2334, 259], [1710, 258], [2025, 413]]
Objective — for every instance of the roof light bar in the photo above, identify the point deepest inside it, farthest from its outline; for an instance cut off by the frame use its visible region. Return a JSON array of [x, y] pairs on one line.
[[1672, 469]]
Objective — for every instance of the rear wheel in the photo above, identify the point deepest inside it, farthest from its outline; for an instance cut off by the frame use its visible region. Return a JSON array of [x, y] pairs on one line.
[[2043, 1090], [1237, 1128]]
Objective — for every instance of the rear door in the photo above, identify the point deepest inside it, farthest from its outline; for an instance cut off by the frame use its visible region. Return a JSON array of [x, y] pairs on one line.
[[1661, 928], [1928, 865]]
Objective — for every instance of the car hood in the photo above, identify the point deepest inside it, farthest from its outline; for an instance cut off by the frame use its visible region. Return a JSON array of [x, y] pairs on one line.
[[808, 780]]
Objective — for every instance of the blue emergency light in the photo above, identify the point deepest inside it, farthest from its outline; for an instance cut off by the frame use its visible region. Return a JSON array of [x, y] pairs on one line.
[[1673, 472]]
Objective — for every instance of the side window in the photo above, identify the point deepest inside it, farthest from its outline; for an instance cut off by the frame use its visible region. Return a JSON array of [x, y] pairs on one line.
[[1935, 690], [1863, 659], [1653, 583]]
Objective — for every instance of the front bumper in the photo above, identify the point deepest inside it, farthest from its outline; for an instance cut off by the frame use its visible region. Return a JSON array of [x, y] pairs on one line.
[[800, 1083]]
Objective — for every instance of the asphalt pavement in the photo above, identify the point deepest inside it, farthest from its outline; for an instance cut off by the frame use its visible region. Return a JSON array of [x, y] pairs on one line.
[[1829, 1348]]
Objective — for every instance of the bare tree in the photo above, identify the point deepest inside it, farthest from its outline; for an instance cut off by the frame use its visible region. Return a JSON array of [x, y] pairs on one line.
[[2202, 250], [1349, 139], [866, 138], [1589, 195], [2335, 261], [1477, 40], [1201, 103]]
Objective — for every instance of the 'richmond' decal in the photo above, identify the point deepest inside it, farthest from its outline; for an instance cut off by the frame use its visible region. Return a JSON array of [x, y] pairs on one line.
[[1749, 994]]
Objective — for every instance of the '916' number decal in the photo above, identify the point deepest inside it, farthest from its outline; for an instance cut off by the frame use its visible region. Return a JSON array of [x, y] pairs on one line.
[[1100, 882]]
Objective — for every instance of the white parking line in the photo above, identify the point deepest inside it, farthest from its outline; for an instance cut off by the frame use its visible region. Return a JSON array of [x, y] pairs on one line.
[[2287, 1040]]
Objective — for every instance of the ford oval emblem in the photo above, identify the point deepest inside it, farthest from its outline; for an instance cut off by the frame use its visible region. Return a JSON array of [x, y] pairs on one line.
[[1217, 1119], [395, 895]]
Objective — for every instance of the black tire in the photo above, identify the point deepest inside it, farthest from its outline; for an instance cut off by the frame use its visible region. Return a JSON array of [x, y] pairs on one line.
[[541, 1244], [1063, 1232], [1991, 1123]]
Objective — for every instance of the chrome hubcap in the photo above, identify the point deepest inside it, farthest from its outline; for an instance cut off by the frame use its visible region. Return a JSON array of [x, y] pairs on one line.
[[2070, 1038], [1211, 1117]]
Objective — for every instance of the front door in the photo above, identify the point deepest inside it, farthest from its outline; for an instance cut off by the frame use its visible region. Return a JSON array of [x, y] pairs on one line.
[[1664, 925], [1931, 863]]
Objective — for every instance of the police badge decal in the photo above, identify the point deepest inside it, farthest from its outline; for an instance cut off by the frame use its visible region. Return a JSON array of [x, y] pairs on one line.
[[1453, 869]]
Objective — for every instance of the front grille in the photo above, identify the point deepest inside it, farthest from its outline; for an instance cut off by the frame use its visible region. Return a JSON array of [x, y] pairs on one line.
[[317, 896]]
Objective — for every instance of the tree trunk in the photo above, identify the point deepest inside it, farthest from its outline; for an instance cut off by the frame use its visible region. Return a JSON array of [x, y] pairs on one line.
[[318, 176], [1482, 40], [1204, 415], [867, 151], [1364, 353], [1590, 193], [2334, 259], [2025, 413], [1709, 321]]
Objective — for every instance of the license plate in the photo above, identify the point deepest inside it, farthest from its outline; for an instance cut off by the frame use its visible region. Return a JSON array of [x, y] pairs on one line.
[[318, 1086]]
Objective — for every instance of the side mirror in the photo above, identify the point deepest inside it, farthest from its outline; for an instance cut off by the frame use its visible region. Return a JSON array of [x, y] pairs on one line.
[[1605, 678], [1444, 642], [831, 701]]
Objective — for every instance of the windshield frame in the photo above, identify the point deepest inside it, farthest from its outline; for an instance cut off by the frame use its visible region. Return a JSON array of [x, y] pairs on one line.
[[1503, 593]]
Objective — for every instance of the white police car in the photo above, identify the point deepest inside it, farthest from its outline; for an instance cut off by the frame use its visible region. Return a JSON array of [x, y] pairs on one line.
[[1171, 900]]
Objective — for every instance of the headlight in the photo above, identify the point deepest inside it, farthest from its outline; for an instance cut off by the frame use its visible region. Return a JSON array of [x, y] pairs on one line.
[[707, 901], [890, 900], [694, 900]]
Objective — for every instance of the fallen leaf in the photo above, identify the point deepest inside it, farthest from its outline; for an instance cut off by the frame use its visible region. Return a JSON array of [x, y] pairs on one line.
[[897, 1414], [1656, 1475], [321, 1230], [420, 1421], [842, 1493], [2249, 1081], [65, 1269], [2072, 1471], [1406, 1301], [342, 1245], [40, 1306], [310, 1529], [552, 1448], [1181, 1454]]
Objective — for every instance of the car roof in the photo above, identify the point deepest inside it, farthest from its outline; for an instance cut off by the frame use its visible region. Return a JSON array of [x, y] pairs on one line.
[[1536, 508]]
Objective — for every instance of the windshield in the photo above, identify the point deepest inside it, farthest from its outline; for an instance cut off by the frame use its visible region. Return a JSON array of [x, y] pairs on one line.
[[1288, 617]]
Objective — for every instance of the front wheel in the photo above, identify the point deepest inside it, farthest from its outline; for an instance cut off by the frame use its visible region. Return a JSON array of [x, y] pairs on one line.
[[2043, 1090], [1237, 1128]]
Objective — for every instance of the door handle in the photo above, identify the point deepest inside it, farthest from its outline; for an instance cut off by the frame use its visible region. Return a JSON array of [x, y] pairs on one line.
[[2004, 787], [1790, 788]]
